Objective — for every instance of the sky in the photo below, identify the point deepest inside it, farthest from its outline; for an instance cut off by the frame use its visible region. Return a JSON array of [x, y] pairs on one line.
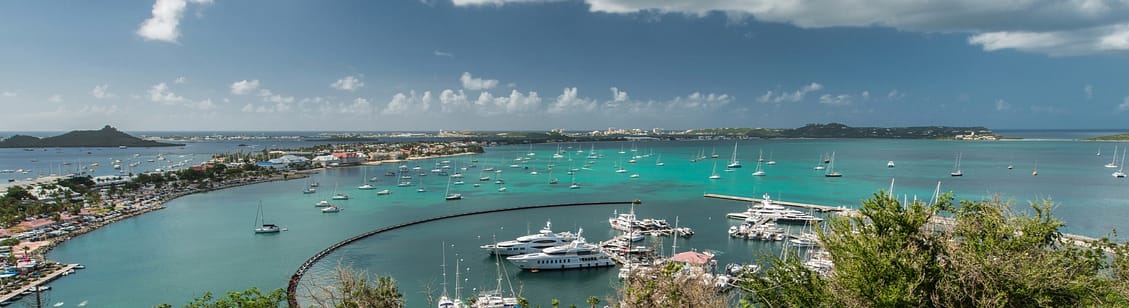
[[358, 65]]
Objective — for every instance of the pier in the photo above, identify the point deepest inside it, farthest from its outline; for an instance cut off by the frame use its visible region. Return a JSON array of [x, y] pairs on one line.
[[821, 208], [38, 282], [292, 286]]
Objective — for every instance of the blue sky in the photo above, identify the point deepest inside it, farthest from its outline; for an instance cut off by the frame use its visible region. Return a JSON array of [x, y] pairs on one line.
[[580, 64]]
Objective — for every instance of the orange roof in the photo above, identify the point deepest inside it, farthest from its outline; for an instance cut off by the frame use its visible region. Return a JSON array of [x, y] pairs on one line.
[[692, 257]]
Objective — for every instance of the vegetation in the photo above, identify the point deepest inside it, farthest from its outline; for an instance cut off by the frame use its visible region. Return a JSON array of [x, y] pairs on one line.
[[1118, 137], [671, 286], [895, 254], [105, 137], [352, 289], [251, 298]]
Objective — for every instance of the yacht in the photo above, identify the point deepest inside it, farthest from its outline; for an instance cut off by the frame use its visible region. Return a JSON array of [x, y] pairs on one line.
[[263, 226], [331, 209], [340, 197], [768, 210], [531, 243], [309, 191], [384, 192], [578, 254], [366, 187], [322, 203], [890, 164], [623, 222]]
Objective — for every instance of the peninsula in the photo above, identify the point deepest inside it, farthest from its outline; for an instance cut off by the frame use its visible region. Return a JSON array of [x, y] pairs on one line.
[[105, 137]]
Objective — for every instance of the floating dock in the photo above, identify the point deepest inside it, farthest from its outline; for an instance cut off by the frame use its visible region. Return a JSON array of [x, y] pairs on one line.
[[38, 282]]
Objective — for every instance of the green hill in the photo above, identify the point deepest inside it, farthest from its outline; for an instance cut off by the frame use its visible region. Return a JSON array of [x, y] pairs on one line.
[[105, 137]]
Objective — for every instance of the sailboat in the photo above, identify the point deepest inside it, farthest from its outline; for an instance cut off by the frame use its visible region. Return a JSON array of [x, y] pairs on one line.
[[1036, 171], [530, 151], [1113, 164], [421, 188], [659, 161], [366, 186], [831, 173], [446, 301], [715, 176], [574, 185], [733, 163], [261, 225], [1099, 150], [449, 196], [956, 168], [714, 154], [759, 172], [338, 196], [1118, 173], [819, 165], [770, 160]]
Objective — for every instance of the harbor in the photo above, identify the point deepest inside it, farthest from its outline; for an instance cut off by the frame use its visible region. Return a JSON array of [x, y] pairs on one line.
[[37, 285]]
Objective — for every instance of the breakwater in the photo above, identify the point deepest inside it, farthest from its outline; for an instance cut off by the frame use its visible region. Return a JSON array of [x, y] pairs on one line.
[[292, 286]]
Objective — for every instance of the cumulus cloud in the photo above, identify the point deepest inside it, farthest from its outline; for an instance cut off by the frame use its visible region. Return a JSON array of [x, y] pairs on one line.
[[55, 98], [408, 103], [1002, 105], [165, 22], [101, 91], [159, 93], [568, 101], [348, 83], [795, 96], [244, 87], [699, 102], [1046, 26], [474, 84], [440, 53], [835, 100], [1088, 90]]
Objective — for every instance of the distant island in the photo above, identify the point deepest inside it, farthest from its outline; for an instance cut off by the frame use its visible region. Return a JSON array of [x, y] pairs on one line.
[[836, 130], [1118, 137], [105, 137]]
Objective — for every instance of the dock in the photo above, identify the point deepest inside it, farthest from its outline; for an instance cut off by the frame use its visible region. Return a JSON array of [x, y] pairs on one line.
[[817, 207], [38, 282]]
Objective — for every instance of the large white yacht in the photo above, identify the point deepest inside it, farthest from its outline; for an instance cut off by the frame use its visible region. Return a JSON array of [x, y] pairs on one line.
[[578, 254], [767, 210], [532, 243]]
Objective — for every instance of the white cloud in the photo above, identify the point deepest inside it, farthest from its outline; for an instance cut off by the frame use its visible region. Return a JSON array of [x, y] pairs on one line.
[[772, 97], [180, 80], [471, 83], [617, 95], [165, 22], [440, 53], [568, 101], [1054, 27], [865, 95], [55, 98], [835, 100], [9, 94], [348, 83], [101, 91], [452, 101], [244, 87], [1002, 105], [1089, 91], [699, 102], [1124, 104], [160, 93], [408, 103], [895, 95]]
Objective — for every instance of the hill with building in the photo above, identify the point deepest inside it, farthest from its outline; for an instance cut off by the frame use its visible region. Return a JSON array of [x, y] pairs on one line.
[[105, 137]]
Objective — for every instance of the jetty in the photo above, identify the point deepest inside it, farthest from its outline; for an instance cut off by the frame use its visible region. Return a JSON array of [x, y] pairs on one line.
[[7, 297], [817, 207]]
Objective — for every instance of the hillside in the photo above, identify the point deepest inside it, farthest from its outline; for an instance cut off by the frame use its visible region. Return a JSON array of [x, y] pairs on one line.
[[105, 137], [1118, 137], [836, 130]]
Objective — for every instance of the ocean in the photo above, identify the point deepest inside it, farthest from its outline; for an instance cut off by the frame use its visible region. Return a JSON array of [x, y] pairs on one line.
[[204, 242]]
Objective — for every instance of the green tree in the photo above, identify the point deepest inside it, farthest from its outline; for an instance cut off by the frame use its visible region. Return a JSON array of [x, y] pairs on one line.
[[353, 289], [592, 301], [251, 298], [555, 302]]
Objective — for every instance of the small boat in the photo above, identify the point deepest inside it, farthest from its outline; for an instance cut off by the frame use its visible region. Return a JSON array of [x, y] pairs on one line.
[[636, 175], [760, 171], [331, 209], [260, 222], [1113, 164], [501, 189], [831, 173], [384, 192], [309, 191], [340, 197], [890, 164], [715, 176], [957, 171], [733, 162], [322, 203]]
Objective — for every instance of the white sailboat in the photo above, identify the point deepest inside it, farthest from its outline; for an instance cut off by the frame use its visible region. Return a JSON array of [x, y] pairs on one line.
[[365, 186], [831, 173], [770, 161], [261, 225], [819, 164], [733, 162], [338, 196], [659, 161], [1113, 164], [446, 301], [1119, 173], [759, 172], [956, 167], [715, 176], [448, 195], [1036, 171]]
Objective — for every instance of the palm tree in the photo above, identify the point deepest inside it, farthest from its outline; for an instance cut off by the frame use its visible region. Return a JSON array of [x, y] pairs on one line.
[[592, 301], [556, 303]]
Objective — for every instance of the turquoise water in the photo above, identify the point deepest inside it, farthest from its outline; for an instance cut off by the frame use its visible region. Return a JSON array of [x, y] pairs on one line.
[[204, 242]]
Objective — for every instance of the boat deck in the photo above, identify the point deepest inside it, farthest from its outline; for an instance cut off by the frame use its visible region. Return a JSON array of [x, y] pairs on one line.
[[821, 208]]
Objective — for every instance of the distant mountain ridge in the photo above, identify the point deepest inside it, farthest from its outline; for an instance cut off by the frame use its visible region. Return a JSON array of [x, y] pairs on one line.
[[105, 137]]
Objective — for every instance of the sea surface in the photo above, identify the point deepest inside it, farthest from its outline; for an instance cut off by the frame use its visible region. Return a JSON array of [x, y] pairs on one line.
[[205, 242]]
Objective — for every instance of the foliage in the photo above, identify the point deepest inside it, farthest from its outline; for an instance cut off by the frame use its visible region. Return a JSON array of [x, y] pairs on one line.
[[10, 242], [251, 298], [353, 289], [892, 254], [670, 286]]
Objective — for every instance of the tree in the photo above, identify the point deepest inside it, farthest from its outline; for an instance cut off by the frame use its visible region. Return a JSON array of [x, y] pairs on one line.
[[555, 302], [671, 285], [251, 298], [987, 255], [592, 301], [352, 289]]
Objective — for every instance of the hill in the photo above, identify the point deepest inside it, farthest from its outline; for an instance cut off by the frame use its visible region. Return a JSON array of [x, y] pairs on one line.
[[105, 137], [836, 130], [1118, 137]]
